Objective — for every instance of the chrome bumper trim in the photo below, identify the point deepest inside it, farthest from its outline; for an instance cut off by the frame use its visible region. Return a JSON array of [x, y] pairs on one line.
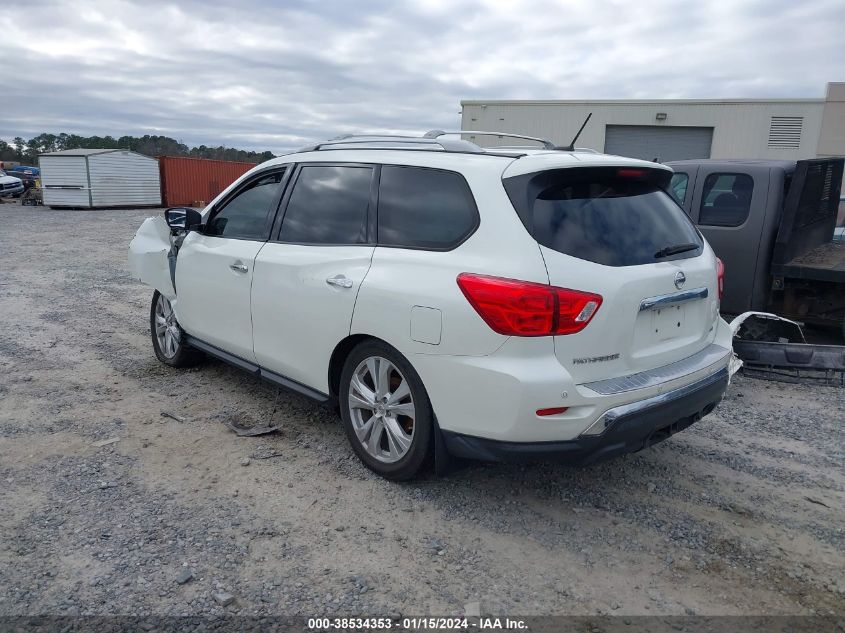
[[607, 419], [673, 298], [710, 355]]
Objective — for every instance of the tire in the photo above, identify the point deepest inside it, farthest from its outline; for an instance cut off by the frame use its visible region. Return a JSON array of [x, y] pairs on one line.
[[386, 411], [167, 336]]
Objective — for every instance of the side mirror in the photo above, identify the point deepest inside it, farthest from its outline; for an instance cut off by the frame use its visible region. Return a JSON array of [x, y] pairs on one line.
[[183, 218]]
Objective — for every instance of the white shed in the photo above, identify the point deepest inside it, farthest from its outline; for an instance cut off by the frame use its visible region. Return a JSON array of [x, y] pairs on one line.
[[93, 178]]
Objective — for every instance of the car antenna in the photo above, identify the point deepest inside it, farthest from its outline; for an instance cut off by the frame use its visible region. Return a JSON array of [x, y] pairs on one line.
[[571, 146]]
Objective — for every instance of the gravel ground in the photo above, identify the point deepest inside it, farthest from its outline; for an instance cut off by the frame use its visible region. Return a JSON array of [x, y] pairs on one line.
[[741, 514]]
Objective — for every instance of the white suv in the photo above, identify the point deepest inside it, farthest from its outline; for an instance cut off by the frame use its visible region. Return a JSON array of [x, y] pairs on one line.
[[452, 301]]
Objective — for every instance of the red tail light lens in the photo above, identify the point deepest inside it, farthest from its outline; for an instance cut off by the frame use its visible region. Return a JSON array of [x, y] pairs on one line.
[[552, 411], [630, 173], [720, 277], [522, 308]]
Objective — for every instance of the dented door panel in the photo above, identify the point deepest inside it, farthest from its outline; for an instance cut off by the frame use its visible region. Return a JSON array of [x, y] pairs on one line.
[[152, 258]]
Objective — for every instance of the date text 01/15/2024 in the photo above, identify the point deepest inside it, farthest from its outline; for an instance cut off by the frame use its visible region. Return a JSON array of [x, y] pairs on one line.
[[416, 624]]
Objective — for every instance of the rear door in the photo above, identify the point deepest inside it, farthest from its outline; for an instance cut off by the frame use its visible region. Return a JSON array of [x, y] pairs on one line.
[[307, 278], [613, 231]]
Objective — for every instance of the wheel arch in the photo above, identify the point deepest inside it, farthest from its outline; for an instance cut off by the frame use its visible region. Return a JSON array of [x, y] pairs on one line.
[[339, 355], [443, 462]]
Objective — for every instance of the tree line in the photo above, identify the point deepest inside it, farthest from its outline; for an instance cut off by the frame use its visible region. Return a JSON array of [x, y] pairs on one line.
[[27, 151]]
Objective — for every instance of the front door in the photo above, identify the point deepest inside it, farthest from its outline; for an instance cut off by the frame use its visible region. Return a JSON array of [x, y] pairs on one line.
[[307, 278], [214, 268]]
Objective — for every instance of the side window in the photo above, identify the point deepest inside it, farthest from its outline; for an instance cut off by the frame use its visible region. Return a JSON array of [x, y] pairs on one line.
[[424, 208], [328, 205], [245, 215], [726, 199], [678, 187]]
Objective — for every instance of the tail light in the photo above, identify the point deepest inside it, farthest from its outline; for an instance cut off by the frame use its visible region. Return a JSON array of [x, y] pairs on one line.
[[522, 308], [720, 277]]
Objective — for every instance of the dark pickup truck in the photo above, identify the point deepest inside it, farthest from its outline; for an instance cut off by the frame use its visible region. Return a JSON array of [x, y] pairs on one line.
[[772, 224]]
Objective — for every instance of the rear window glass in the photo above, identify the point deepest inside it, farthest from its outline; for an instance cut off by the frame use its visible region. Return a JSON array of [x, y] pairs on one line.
[[328, 206], [603, 217], [424, 208]]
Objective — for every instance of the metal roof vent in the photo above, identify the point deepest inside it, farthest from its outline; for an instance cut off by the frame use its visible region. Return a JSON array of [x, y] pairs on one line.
[[785, 132]]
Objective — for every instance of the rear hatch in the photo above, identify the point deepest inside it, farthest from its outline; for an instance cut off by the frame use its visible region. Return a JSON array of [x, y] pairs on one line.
[[614, 231]]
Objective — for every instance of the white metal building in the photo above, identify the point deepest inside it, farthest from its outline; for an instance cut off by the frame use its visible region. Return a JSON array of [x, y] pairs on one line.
[[675, 129], [91, 178]]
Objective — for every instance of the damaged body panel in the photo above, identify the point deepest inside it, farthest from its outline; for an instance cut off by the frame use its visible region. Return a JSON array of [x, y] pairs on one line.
[[152, 256], [771, 346]]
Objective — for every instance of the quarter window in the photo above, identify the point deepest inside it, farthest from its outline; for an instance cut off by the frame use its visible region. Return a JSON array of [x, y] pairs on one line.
[[424, 208], [328, 205], [245, 215], [678, 187], [726, 199]]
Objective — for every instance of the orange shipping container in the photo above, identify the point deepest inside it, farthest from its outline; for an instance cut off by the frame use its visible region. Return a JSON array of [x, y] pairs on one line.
[[196, 181]]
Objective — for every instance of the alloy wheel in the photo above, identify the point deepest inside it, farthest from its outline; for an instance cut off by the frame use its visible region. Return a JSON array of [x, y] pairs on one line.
[[168, 334], [382, 409]]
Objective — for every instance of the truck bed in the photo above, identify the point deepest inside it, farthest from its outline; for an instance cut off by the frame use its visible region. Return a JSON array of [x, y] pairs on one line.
[[823, 263]]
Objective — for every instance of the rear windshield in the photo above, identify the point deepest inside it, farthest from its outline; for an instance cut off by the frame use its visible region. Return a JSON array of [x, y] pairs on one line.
[[610, 216]]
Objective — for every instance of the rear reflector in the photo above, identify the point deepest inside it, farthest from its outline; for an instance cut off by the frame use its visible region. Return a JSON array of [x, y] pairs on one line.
[[552, 411], [523, 308], [720, 277]]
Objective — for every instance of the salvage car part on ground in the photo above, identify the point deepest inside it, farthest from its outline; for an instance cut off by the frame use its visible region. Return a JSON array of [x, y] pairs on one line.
[[776, 349]]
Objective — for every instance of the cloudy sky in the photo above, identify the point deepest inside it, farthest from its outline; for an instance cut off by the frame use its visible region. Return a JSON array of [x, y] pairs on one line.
[[278, 74]]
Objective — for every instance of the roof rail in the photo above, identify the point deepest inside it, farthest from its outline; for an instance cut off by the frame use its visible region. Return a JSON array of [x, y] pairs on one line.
[[397, 141], [432, 140], [436, 134]]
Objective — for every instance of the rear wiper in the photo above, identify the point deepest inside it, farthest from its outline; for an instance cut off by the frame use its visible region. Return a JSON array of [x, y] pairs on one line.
[[674, 250]]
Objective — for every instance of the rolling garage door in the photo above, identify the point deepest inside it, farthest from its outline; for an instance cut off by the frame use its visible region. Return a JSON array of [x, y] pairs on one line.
[[665, 143]]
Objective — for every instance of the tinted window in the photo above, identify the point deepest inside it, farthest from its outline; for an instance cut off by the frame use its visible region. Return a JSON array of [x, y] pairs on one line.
[[245, 215], [328, 206], [424, 208], [726, 199], [601, 217], [678, 187]]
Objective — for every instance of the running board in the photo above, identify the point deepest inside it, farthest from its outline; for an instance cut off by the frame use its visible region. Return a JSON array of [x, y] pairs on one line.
[[256, 370], [792, 362]]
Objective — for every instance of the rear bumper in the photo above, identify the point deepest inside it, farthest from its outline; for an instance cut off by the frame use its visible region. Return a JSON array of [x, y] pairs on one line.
[[626, 429]]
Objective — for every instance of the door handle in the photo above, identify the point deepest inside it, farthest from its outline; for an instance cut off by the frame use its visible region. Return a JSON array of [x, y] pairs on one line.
[[340, 281], [239, 267]]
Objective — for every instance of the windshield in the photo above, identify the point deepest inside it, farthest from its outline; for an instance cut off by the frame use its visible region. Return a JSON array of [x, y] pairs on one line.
[[611, 216]]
